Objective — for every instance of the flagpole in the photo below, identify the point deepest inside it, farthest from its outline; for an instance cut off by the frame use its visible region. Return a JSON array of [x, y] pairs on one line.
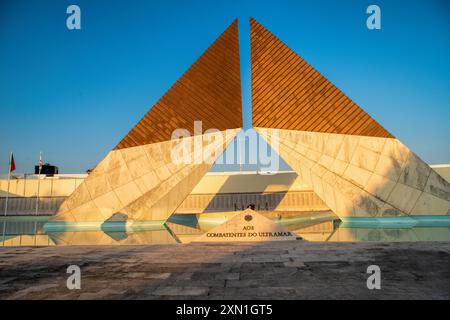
[[9, 178], [6, 200], [37, 197], [39, 184]]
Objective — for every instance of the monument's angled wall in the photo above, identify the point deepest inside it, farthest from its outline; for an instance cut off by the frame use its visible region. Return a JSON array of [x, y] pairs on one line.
[[138, 179], [209, 91], [351, 162]]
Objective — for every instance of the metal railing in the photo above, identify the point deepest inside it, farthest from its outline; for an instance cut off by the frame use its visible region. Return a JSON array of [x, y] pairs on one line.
[[26, 206]]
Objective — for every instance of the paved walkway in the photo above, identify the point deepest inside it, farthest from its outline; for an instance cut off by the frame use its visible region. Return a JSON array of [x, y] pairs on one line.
[[284, 270]]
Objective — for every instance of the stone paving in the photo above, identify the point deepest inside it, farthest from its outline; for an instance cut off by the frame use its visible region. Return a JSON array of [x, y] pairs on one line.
[[277, 270]]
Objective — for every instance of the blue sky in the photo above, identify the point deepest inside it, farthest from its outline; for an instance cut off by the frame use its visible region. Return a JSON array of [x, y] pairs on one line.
[[75, 94]]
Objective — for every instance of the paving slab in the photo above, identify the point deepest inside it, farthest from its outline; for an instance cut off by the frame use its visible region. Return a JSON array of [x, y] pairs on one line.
[[281, 270]]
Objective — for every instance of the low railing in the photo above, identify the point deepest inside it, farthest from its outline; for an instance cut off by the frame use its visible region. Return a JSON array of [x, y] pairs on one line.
[[273, 201], [26, 206]]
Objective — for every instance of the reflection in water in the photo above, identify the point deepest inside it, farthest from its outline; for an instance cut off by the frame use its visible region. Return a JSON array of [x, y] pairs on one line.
[[184, 228], [391, 235]]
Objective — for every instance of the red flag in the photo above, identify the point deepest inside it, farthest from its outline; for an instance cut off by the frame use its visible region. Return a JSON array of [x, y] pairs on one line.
[[12, 164]]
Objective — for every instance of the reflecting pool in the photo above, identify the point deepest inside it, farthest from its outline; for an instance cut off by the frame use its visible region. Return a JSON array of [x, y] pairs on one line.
[[185, 228]]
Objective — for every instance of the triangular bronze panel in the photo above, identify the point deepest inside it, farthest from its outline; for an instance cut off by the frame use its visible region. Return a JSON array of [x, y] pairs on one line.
[[287, 93], [210, 91]]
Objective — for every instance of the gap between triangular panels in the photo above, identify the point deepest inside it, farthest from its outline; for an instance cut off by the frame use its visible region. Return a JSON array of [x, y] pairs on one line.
[[253, 154], [231, 178]]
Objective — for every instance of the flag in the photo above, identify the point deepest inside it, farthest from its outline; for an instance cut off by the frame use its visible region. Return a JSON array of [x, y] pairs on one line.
[[12, 164]]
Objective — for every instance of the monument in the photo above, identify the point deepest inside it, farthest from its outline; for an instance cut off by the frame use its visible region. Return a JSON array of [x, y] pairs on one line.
[[352, 163]]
